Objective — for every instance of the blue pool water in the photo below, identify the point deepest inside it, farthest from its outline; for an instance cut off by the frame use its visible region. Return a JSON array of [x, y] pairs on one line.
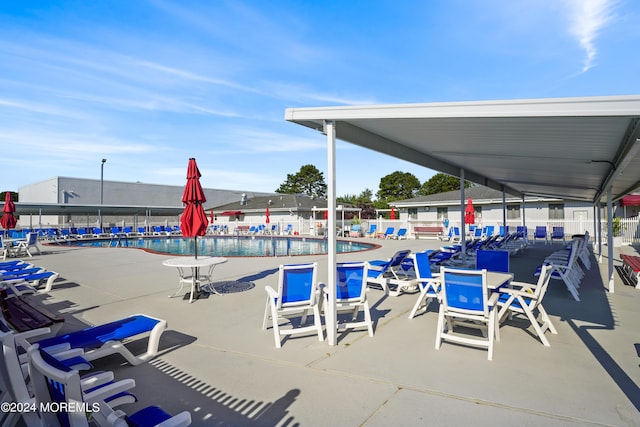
[[243, 246]]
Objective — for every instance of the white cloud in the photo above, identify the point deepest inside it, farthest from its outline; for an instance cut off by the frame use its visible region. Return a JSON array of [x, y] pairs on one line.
[[587, 18]]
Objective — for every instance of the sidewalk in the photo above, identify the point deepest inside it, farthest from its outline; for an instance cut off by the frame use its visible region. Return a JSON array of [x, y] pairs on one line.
[[217, 362]]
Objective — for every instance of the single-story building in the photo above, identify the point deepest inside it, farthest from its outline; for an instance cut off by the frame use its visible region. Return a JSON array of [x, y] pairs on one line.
[[92, 195]]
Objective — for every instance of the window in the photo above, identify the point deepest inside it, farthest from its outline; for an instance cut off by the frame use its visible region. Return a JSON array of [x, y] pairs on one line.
[[413, 213], [556, 210], [443, 213], [513, 212]]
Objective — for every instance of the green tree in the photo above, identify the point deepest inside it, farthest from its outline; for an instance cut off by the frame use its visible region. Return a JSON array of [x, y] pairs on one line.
[[14, 196], [352, 199], [439, 183], [397, 186], [308, 180]]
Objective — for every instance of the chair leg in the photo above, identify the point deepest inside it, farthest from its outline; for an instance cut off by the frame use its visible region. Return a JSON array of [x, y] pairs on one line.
[[417, 305], [491, 333], [546, 321], [276, 327], [318, 322], [367, 318], [439, 328], [266, 314], [534, 323]]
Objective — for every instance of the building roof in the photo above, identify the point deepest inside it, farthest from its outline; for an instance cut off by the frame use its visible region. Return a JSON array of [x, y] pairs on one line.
[[276, 202], [479, 194], [572, 148]]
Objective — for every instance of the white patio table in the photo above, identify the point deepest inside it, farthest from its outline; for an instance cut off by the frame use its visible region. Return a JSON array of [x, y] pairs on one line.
[[192, 264]]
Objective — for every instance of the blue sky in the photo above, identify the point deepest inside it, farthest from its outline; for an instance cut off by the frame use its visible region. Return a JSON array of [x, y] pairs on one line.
[[147, 84]]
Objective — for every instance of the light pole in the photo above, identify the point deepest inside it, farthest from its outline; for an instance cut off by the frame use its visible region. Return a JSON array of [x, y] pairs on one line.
[[102, 180]]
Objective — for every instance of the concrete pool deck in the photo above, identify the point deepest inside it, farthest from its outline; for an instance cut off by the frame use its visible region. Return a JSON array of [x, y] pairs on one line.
[[217, 362]]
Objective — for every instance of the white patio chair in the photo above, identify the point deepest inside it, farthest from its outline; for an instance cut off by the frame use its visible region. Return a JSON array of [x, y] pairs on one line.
[[466, 301], [565, 267], [429, 285], [57, 385], [526, 298], [30, 241], [297, 294], [15, 382], [351, 295]]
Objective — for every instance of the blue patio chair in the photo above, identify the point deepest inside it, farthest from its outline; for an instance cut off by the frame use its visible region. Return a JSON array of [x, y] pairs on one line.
[[16, 382], [372, 230], [521, 231], [389, 232], [391, 272], [297, 293], [57, 385], [455, 236], [351, 295], [540, 234], [466, 301], [429, 285], [448, 236], [492, 260], [401, 234], [488, 230], [28, 281], [107, 339], [557, 233]]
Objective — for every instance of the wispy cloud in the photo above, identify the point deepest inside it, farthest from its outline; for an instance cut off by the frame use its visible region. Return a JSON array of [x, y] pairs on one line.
[[587, 18]]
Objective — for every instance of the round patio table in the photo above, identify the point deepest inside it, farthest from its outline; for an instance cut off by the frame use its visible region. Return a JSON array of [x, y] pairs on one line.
[[192, 265]]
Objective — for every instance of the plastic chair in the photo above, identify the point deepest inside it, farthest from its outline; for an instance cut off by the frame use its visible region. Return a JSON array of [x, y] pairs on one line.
[[297, 293], [466, 301], [429, 285]]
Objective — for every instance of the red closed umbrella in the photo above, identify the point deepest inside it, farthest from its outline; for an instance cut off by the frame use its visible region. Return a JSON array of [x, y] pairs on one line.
[[212, 217], [469, 213], [267, 214], [8, 221], [393, 212], [193, 222]]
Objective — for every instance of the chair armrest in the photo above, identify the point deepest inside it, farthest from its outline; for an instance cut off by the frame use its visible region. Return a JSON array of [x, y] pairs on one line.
[[493, 298], [96, 379], [109, 390], [377, 267], [517, 292], [523, 286], [22, 338], [271, 292]]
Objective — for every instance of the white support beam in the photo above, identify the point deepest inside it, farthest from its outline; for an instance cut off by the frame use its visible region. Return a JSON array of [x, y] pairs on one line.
[[331, 318], [610, 238]]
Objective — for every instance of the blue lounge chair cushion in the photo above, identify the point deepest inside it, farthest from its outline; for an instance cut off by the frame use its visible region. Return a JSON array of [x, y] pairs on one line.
[[149, 416], [96, 336]]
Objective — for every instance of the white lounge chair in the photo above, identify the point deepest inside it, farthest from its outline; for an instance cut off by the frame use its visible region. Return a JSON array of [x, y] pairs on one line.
[[56, 385], [109, 338], [14, 378]]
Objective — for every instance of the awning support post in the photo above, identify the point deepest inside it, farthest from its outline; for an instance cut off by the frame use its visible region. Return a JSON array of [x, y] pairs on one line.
[[331, 318]]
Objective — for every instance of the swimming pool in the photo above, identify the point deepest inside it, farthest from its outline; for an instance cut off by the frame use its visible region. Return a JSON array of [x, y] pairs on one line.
[[230, 246]]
